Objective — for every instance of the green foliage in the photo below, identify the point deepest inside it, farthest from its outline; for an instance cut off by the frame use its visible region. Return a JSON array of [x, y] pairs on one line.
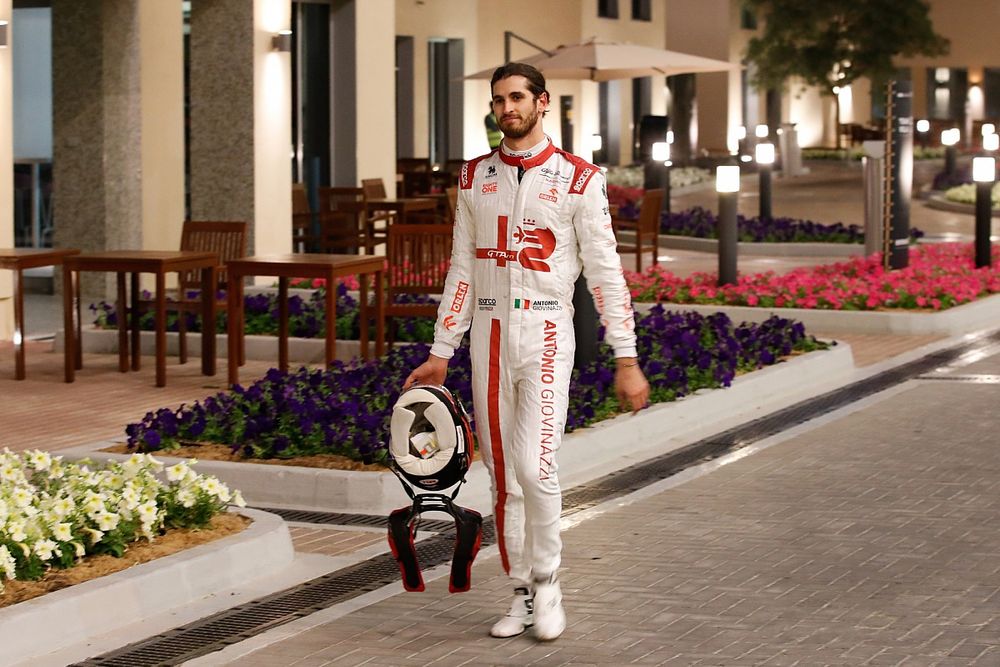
[[831, 44]]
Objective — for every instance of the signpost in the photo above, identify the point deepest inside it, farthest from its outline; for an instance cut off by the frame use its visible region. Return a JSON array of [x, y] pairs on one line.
[[898, 175]]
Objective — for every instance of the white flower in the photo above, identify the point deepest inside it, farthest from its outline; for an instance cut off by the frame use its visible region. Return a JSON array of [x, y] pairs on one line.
[[210, 485], [177, 472], [238, 500], [62, 532], [186, 498], [79, 550], [7, 562], [93, 502], [130, 497], [39, 460], [147, 511], [107, 521], [94, 535], [9, 472], [63, 506], [22, 497], [45, 548], [15, 530]]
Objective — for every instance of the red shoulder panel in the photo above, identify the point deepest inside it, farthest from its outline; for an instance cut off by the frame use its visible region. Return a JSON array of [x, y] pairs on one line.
[[469, 171], [583, 171]]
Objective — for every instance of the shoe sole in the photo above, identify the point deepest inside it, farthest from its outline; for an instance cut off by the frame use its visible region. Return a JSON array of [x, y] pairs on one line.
[[509, 636]]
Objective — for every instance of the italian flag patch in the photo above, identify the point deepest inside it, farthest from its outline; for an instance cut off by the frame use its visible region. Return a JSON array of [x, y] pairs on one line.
[[522, 304]]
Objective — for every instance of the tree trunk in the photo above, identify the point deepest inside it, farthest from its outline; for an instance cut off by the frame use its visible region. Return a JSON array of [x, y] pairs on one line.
[[836, 115]]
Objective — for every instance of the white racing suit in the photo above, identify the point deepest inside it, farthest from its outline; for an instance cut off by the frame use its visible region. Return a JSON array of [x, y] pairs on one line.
[[518, 250]]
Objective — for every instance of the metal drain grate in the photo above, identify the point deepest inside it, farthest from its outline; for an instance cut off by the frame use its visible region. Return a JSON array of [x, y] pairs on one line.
[[971, 379], [347, 519], [233, 625]]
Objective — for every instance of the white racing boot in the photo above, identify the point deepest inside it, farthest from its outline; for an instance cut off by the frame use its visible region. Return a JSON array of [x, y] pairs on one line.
[[550, 619], [518, 619]]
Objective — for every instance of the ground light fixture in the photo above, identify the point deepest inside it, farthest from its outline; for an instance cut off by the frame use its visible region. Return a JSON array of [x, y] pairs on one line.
[[949, 138], [991, 142], [281, 41], [984, 174], [727, 184], [657, 172], [764, 154], [923, 125], [988, 129], [760, 131]]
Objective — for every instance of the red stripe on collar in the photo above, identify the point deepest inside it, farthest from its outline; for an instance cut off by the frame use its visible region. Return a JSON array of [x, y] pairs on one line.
[[528, 163]]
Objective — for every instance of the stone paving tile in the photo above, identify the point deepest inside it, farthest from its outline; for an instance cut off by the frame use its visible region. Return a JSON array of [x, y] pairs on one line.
[[868, 540]]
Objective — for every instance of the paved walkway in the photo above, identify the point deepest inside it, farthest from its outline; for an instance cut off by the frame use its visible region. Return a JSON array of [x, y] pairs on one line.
[[868, 538]]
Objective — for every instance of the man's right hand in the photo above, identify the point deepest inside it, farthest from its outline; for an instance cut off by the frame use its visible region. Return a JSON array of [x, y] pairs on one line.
[[432, 371]]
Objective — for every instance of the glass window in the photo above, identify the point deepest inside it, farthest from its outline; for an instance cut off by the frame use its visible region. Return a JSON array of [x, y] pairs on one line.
[[991, 92], [607, 9], [641, 10], [947, 88], [748, 17]]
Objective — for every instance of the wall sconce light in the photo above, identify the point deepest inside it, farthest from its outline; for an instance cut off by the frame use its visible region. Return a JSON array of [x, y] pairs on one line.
[[282, 41], [3, 34]]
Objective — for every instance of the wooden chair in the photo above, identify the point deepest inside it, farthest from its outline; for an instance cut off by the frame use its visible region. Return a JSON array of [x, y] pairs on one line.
[[342, 220], [418, 257], [646, 229], [229, 240], [378, 222], [452, 203], [303, 238], [411, 164]]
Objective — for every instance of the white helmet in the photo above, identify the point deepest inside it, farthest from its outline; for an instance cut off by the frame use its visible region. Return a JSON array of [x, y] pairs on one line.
[[431, 439]]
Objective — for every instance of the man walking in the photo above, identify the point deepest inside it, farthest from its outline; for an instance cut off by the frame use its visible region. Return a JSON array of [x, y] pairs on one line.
[[529, 217]]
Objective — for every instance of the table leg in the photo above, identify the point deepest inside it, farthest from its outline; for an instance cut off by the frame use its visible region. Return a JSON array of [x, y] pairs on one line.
[[365, 315], [379, 313], [208, 282], [127, 325], [331, 320], [136, 327], [234, 314], [283, 323], [18, 324], [78, 323], [69, 340], [161, 329]]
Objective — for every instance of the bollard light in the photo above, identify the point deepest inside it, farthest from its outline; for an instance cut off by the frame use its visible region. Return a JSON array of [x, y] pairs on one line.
[[983, 173], [760, 131], [950, 137], [991, 142], [923, 125], [988, 129], [661, 151], [741, 132], [670, 136], [727, 184], [765, 158]]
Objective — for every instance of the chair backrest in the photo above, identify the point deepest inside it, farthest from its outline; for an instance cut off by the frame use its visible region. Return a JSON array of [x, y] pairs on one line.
[[452, 202], [228, 239], [340, 198], [410, 164], [373, 188], [649, 210], [418, 256], [300, 200]]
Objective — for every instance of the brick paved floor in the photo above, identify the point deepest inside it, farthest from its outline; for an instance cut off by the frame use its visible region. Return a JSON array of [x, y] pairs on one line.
[[332, 541], [870, 539]]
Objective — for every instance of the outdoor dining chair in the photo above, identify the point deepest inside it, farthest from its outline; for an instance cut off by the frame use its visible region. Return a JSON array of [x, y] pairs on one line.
[[645, 230], [418, 256]]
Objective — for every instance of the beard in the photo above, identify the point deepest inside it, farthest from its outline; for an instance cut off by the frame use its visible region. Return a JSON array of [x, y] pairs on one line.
[[518, 128]]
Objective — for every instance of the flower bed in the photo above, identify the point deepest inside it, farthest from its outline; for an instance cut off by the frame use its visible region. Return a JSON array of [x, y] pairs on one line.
[[966, 194], [939, 276], [856, 153], [54, 514], [699, 222], [346, 409], [306, 317], [632, 177]]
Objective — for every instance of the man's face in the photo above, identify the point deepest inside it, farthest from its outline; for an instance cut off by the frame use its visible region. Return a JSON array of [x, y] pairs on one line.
[[516, 108]]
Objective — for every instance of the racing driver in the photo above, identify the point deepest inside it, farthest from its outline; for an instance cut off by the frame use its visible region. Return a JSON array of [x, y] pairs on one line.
[[529, 215]]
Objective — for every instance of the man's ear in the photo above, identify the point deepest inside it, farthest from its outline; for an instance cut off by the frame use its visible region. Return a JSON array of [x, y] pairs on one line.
[[544, 98]]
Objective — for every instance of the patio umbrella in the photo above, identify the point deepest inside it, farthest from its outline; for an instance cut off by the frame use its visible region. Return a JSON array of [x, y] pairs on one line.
[[605, 61]]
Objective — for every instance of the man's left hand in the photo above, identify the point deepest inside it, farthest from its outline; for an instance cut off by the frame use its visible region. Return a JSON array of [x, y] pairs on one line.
[[630, 384]]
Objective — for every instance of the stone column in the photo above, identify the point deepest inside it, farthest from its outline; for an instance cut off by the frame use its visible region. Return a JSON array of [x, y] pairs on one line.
[[240, 91], [6, 172], [117, 161]]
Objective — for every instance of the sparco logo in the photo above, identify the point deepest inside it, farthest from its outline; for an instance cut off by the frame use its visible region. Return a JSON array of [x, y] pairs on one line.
[[487, 304], [465, 175], [584, 175]]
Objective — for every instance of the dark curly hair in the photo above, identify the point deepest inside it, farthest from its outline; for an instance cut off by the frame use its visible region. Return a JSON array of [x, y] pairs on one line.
[[536, 80]]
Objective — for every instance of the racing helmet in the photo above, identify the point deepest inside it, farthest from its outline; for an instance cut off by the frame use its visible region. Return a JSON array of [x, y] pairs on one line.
[[430, 438]]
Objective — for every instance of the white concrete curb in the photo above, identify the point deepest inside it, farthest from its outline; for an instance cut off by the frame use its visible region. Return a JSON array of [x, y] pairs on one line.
[[585, 454], [75, 614], [693, 243], [967, 318], [942, 203]]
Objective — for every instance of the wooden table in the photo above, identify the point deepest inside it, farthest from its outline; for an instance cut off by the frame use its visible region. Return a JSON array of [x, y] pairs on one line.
[[17, 260], [305, 265], [134, 262], [401, 206]]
